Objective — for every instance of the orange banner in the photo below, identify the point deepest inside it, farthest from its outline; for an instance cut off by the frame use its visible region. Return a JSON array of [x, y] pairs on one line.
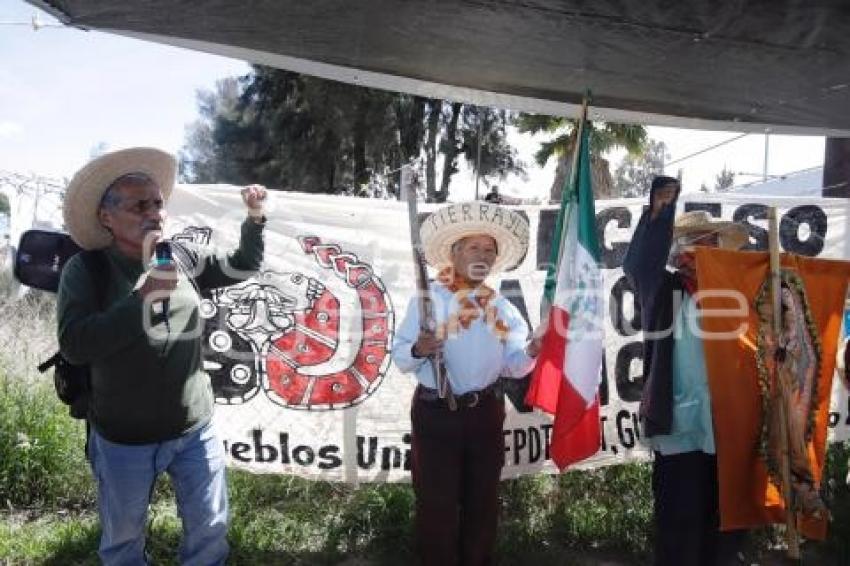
[[747, 496]]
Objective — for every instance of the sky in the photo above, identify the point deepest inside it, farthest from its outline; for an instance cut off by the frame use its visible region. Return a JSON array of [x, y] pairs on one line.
[[64, 91]]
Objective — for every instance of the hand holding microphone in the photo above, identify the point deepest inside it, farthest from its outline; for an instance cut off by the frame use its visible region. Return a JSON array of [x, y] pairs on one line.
[[162, 254], [161, 280]]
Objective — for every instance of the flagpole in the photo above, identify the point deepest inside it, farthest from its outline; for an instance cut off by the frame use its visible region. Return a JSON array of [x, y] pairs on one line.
[[778, 389], [544, 306]]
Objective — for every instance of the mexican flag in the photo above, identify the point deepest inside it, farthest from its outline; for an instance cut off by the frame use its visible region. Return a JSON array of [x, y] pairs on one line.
[[565, 381]]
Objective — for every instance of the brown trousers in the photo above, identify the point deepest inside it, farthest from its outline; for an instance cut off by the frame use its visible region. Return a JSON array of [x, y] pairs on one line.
[[457, 462]]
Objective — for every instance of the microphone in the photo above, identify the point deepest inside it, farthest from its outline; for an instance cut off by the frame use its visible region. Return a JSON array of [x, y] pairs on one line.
[[162, 257]]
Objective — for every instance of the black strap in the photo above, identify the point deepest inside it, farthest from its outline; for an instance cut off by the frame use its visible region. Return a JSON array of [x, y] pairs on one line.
[[98, 268], [97, 265], [46, 365]]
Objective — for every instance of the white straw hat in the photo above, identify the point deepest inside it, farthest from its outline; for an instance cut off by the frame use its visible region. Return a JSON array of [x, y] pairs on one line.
[[733, 235], [86, 189], [447, 225]]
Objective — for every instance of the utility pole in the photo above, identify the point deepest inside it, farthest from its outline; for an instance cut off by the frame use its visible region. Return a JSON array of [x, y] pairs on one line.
[[478, 159], [766, 151], [836, 168], [37, 183]]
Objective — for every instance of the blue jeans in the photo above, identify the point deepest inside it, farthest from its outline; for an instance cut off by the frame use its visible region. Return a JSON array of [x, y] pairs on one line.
[[125, 477]]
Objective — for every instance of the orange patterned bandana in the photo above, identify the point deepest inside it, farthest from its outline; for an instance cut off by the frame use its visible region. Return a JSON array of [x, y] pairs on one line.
[[470, 306]]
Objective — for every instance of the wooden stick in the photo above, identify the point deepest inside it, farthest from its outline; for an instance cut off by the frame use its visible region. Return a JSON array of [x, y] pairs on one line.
[[785, 460], [427, 320], [544, 303]]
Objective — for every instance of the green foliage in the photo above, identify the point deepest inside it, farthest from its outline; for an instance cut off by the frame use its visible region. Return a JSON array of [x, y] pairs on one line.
[[27, 335], [603, 136], [837, 496], [4, 204], [297, 132], [202, 160], [41, 448], [58, 539], [634, 175], [608, 509], [7, 282], [283, 519], [581, 517], [498, 158], [724, 181]]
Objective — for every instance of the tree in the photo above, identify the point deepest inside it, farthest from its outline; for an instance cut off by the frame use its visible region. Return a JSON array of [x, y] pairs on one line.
[[202, 160], [603, 137], [5, 208], [724, 181], [410, 112], [498, 158], [633, 177], [450, 146], [297, 132], [271, 127], [435, 109]]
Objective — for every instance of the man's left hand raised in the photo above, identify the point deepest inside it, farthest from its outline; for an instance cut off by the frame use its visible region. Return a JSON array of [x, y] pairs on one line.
[[254, 197]]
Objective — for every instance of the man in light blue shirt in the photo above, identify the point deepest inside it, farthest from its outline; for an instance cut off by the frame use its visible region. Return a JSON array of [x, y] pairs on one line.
[[458, 454], [467, 370], [676, 403], [692, 428]]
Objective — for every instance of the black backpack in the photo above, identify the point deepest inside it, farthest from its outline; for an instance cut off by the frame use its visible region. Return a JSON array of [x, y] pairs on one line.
[[40, 257]]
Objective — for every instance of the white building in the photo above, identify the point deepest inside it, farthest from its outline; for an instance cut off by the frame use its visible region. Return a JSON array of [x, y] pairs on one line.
[[805, 183]]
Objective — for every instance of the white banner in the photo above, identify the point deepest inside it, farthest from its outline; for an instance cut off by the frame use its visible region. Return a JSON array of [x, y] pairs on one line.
[[299, 356]]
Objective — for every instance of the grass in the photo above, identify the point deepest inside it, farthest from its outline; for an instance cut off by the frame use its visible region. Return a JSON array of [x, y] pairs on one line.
[[49, 513], [50, 507], [41, 461]]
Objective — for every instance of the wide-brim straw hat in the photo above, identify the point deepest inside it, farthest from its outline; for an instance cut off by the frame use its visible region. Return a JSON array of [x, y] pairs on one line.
[[732, 235], [86, 189], [445, 226]]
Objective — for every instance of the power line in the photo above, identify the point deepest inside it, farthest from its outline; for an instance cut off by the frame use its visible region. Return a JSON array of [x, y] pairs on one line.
[[704, 150], [780, 177]]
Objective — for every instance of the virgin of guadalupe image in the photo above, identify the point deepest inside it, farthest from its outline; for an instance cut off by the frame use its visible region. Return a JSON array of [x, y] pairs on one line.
[[789, 365]]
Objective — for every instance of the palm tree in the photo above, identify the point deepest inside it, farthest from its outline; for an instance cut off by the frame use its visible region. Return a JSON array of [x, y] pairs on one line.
[[603, 137]]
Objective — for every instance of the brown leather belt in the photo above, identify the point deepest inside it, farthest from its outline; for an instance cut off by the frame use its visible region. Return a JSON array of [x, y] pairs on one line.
[[468, 400]]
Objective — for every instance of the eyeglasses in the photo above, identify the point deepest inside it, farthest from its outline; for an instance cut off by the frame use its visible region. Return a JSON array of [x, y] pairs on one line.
[[142, 207]]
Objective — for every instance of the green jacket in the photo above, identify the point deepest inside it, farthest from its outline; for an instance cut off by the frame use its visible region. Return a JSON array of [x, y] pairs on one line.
[[147, 385]]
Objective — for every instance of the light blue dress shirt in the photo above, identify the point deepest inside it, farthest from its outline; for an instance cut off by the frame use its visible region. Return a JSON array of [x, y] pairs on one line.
[[476, 356], [692, 428]]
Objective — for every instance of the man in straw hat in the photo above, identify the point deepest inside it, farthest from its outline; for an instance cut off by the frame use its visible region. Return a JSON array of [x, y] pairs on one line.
[[458, 454], [676, 405], [151, 402]]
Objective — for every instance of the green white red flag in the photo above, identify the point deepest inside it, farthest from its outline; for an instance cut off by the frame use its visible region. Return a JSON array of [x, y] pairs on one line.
[[566, 378]]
